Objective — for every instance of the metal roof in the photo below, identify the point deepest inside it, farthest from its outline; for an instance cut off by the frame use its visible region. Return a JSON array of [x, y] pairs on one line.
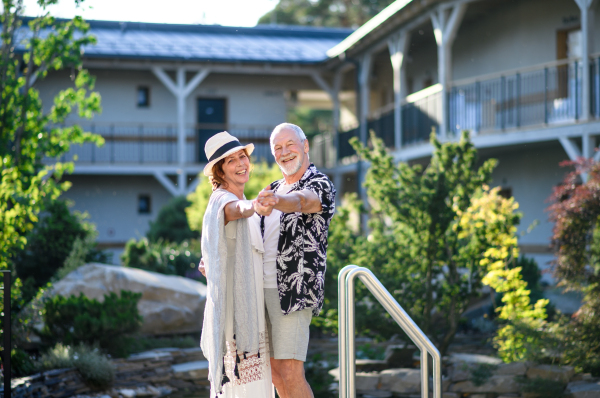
[[171, 42]]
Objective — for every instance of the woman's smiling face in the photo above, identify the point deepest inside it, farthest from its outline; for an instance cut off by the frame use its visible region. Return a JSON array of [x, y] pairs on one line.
[[237, 168]]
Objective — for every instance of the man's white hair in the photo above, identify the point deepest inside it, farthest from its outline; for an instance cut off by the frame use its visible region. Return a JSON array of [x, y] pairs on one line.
[[287, 126]]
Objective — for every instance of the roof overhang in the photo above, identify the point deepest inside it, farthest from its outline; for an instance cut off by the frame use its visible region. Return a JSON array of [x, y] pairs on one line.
[[395, 17]]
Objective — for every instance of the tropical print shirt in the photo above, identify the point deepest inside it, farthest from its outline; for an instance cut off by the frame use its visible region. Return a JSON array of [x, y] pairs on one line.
[[302, 247]]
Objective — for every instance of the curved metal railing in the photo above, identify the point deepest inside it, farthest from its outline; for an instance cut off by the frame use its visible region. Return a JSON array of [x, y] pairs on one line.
[[346, 324]]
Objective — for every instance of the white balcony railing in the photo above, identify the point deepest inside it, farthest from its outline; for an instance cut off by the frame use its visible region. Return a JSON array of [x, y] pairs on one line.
[[153, 143]]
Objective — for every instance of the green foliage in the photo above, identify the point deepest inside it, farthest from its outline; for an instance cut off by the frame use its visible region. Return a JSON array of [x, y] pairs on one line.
[[84, 250], [414, 245], [487, 222], [370, 351], [544, 387], [165, 258], [48, 245], [171, 224], [108, 324], [95, 368], [347, 13], [342, 238], [317, 375], [481, 373], [21, 363], [261, 176], [141, 344], [313, 121], [29, 131]]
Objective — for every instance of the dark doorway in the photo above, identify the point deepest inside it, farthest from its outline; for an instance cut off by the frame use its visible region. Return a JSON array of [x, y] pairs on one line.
[[211, 120]]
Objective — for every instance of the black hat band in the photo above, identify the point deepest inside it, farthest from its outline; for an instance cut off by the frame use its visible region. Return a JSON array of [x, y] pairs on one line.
[[219, 152]]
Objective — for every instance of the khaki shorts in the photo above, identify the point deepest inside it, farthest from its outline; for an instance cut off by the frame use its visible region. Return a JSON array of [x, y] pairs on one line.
[[288, 334]]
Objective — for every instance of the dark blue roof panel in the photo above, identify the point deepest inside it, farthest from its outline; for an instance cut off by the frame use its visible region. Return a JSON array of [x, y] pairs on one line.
[[277, 44]]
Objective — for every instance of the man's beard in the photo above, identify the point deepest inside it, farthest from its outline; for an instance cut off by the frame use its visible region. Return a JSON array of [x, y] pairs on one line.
[[291, 167]]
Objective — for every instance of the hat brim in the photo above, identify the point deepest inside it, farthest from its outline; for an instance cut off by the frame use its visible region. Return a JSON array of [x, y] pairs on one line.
[[208, 168]]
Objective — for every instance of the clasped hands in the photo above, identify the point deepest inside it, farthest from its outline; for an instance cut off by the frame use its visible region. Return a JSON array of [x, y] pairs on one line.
[[265, 201]]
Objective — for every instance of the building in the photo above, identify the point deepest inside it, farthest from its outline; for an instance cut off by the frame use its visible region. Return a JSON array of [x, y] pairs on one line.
[[167, 88], [512, 72]]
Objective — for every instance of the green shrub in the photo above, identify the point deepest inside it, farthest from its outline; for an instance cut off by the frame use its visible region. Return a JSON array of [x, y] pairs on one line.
[[544, 387], [51, 243], [95, 369], [78, 319], [142, 344], [22, 364], [171, 224], [166, 258], [48, 245]]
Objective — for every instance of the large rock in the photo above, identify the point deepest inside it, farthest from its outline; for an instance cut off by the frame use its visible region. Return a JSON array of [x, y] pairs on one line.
[[169, 304], [366, 381], [495, 384], [551, 372], [401, 381], [511, 369], [584, 389]]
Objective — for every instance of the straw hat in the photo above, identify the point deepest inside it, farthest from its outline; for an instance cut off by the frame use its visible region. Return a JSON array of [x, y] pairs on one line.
[[220, 146]]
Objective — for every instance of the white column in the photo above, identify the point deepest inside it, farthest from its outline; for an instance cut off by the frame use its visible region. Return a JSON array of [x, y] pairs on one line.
[[181, 91], [446, 21], [398, 46], [587, 34], [364, 71]]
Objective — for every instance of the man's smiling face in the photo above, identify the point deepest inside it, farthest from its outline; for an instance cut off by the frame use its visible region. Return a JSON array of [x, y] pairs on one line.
[[289, 151]]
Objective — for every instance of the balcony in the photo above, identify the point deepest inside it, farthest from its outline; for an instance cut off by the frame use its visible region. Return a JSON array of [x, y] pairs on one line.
[[528, 98], [156, 144]]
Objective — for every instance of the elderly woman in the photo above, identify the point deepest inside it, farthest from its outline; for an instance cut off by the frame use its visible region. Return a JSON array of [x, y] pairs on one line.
[[234, 339]]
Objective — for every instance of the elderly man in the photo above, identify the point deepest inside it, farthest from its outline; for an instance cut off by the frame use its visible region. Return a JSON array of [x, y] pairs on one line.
[[295, 214]]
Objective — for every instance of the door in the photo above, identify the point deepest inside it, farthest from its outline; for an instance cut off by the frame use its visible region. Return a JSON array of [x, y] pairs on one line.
[[211, 120]]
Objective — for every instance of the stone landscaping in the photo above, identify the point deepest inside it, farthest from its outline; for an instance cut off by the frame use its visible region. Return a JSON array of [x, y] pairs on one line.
[[468, 376], [149, 374]]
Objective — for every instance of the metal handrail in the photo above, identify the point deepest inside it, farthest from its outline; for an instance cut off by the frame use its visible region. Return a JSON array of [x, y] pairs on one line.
[[346, 324]]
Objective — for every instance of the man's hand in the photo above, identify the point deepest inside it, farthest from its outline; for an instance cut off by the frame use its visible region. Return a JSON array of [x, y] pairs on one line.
[[202, 267], [264, 202]]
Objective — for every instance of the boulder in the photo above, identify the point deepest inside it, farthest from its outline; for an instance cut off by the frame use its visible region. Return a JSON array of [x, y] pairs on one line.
[[474, 358], [400, 356], [511, 369], [495, 384], [169, 304], [401, 381], [197, 370], [583, 389], [551, 372], [366, 381]]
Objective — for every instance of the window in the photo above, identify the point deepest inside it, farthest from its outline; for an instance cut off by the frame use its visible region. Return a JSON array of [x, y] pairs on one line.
[[144, 204], [143, 97], [505, 192]]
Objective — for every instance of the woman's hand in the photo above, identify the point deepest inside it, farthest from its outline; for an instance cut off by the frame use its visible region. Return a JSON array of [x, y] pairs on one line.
[[202, 267]]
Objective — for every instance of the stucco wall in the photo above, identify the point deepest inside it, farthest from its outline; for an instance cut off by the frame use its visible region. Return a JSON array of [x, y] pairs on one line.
[[531, 171], [112, 203], [251, 99]]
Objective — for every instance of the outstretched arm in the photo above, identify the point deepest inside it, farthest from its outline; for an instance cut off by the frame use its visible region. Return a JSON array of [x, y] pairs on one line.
[[304, 201], [238, 209]]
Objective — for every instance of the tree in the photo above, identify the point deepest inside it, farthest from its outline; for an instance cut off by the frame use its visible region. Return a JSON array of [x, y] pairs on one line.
[[171, 224], [339, 13], [416, 245], [27, 132], [576, 243]]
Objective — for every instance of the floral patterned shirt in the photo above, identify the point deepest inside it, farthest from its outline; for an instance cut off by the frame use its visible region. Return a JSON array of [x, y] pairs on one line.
[[302, 248]]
